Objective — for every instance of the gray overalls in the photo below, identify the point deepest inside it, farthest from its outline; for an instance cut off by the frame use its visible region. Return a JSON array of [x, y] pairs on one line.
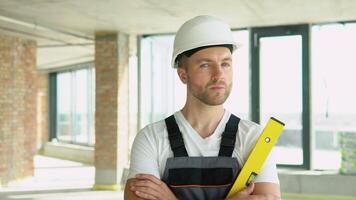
[[201, 178]]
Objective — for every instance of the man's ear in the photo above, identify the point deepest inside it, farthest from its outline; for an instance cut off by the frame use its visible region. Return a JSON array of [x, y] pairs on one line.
[[182, 73]]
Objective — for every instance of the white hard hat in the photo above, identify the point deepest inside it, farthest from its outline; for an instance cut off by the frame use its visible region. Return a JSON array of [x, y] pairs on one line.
[[199, 32]]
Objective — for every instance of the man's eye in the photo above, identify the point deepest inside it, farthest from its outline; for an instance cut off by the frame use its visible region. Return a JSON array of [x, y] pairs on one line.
[[226, 64], [204, 65]]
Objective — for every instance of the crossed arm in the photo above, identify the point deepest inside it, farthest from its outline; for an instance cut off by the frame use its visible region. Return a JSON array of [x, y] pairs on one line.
[[148, 187]]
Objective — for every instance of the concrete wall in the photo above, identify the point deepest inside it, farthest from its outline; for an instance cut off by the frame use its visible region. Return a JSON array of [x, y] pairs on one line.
[[72, 152], [317, 183]]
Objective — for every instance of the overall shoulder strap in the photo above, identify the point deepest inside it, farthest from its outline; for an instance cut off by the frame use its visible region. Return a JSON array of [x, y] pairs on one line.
[[175, 137], [228, 138]]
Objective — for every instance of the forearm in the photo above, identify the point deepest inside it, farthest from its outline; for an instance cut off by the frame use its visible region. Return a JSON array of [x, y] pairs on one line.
[[147, 187], [267, 188]]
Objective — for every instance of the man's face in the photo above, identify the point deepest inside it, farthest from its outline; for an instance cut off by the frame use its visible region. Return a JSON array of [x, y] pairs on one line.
[[208, 75]]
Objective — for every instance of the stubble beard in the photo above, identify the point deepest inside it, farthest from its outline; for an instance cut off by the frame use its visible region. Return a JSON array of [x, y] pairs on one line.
[[205, 95]]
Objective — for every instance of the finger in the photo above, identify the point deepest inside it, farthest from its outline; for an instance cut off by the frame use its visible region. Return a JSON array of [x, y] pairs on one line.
[[160, 189], [145, 183], [149, 177], [133, 182], [146, 186], [151, 193], [145, 195], [248, 190]]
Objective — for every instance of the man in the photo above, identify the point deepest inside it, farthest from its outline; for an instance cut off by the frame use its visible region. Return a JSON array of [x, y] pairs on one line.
[[197, 152]]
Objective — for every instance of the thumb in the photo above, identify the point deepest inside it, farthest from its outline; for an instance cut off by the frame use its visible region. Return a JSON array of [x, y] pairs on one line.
[[248, 190]]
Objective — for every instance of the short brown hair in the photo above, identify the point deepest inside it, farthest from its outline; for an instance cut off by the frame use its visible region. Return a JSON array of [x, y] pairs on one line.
[[187, 54]]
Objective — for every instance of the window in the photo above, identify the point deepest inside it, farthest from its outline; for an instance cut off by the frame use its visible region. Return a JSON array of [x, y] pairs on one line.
[[239, 100], [285, 102], [161, 91], [280, 88], [333, 96], [75, 105]]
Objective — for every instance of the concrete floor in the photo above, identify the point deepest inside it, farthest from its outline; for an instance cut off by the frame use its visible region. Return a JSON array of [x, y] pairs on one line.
[[78, 194], [57, 179]]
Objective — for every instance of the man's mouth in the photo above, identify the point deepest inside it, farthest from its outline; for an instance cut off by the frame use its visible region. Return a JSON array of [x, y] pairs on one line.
[[217, 87]]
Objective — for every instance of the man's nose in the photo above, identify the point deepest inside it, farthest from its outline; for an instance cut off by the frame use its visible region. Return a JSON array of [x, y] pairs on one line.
[[218, 72]]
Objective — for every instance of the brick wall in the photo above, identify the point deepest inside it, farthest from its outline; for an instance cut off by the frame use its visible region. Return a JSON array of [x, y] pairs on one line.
[[111, 112], [18, 88]]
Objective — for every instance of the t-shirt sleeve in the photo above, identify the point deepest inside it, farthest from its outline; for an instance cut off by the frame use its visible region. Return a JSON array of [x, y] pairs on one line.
[[269, 170], [143, 156]]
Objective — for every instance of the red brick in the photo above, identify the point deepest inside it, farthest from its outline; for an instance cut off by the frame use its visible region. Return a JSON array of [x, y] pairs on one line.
[[111, 65], [19, 86]]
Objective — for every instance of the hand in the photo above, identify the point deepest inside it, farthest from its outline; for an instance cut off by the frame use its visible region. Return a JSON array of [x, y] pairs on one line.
[[149, 187], [246, 194]]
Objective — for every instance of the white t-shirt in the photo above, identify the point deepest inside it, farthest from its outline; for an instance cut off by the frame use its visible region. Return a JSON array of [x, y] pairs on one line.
[[151, 146]]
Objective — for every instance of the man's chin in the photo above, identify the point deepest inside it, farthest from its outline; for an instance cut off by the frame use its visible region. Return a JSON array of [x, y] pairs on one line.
[[216, 102]]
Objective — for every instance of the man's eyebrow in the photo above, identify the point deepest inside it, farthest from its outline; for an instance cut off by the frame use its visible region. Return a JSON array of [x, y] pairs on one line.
[[227, 59], [204, 60], [210, 60]]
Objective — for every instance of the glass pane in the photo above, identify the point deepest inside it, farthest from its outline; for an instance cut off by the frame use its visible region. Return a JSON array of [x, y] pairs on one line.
[[281, 92], [145, 81], [91, 106], [133, 99], [64, 106], [159, 100], [80, 109], [333, 99], [76, 106], [239, 100]]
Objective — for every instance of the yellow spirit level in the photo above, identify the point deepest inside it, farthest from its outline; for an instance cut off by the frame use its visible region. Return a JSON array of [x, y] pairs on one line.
[[258, 155]]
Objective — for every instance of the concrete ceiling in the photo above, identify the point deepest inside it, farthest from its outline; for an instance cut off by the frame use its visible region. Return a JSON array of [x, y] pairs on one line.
[[64, 29]]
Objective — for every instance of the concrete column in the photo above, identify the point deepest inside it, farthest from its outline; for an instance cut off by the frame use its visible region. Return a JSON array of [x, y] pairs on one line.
[[111, 109], [18, 90]]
